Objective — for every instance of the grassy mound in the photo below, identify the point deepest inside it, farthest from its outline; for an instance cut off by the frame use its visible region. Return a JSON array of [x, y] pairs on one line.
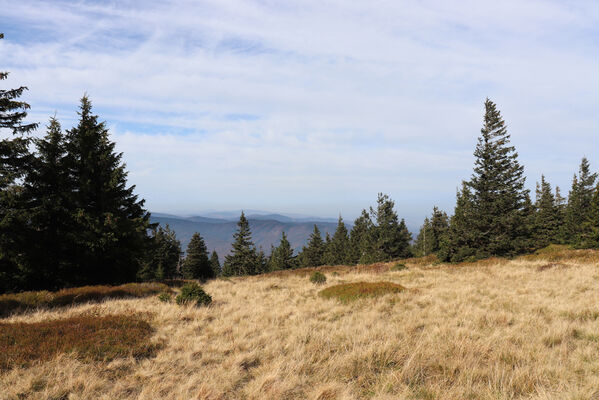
[[88, 337], [353, 291], [18, 302]]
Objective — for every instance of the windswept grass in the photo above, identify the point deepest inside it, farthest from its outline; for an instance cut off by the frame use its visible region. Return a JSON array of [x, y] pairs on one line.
[[88, 337], [19, 302], [353, 291]]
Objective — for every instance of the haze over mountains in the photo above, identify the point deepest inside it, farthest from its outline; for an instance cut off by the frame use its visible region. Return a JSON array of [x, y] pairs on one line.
[[217, 228]]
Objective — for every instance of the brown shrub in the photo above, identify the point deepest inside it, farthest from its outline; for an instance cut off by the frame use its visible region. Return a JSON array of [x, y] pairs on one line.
[[18, 302], [88, 337], [353, 291]]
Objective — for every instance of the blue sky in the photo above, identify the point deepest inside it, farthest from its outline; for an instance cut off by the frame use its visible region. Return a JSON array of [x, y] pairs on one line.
[[315, 106]]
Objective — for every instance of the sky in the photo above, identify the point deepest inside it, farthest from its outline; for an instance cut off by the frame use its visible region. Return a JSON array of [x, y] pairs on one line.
[[312, 107]]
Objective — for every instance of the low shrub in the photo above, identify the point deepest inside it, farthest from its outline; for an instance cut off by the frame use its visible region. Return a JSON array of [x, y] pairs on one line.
[[318, 278], [353, 291], [87, 337], [165, 297], [18, 302], [193, 293], [398, 267]]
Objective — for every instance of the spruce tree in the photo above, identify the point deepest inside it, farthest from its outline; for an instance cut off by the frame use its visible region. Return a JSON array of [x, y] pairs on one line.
[[164, 255], [215, 263], [282, 256], [111, 222], [590, 231], [362, 240], [14, 162], [392, 239], [243, 257], [197, 264], [312, 254], [499, 197], [428, 240], [459, 242], [337, 251], [547, 219], [579, 204]]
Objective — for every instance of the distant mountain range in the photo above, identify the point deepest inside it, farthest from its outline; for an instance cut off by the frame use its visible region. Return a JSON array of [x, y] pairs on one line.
[[217, 228]]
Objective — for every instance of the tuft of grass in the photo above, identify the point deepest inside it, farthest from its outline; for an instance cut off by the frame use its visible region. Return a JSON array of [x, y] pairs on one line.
[[353, 291], [398, 267], [165, 297], [19, 302], [87, 337], [193, 293], [318, 278]]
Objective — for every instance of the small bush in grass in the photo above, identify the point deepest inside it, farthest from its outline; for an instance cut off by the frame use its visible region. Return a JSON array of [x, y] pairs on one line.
[[318, 278], [165, 297], [88, 337], [193, 293], [353, 291], [398, 267]]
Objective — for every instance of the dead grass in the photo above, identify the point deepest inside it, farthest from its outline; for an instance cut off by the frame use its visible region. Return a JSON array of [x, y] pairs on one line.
[[88, 337], [357, 290], [497, 330], [24, 301]]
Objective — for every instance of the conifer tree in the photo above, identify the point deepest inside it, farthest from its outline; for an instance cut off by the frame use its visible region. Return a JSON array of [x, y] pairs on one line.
[[431, 233], [281, 257], [392, 239], [14, 160], [547, 219], [215, 263], [197, 264], [337, 251], [458, 243], [579, 203], [312, 254], [243, 257], [110, 221], [164, 255], [590, 231], [362, 246], [500, 202]]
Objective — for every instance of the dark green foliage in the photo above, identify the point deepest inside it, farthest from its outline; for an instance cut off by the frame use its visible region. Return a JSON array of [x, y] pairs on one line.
[[318, 278], [590, 228], [362, 240], [398, 267], [164, 254], [215, 263], [281, 257], [391, 237], [312, 254], [165, 297], [197, 264], [431, 233], [337, 250], [578, 209], [109, 220], [496, 222], [244, 258], [193, 293], [458, 244], [547, 218]]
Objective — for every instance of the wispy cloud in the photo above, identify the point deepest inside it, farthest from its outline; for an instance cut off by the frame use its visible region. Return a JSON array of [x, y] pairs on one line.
[[313, 106]]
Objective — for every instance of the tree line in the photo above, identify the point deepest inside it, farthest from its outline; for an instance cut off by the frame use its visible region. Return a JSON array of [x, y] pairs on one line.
[[68, 216]]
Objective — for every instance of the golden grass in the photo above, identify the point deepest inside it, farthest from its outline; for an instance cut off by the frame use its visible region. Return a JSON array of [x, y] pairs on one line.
[[498, 330], [359, 290]]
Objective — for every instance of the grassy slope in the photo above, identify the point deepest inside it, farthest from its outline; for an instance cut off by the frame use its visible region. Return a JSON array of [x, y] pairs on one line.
[[493, 330]]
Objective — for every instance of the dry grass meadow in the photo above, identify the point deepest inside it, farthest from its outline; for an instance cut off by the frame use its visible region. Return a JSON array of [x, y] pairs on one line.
[[498, 329]]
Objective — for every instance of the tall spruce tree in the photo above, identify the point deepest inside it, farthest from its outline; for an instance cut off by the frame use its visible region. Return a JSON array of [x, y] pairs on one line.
[[590, 229], [392, 237], [500, 200], [164, 255], [579, 204], [546, 224], [281, 257], [14, 161], [244, 257], [337, 251], [312, 254], [215, 263], [362, 240], [197, 264], [111, 222], [46, 194]]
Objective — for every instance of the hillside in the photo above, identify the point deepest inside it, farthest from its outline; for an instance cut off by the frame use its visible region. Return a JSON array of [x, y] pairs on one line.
[[496, 329], [266, 230]]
